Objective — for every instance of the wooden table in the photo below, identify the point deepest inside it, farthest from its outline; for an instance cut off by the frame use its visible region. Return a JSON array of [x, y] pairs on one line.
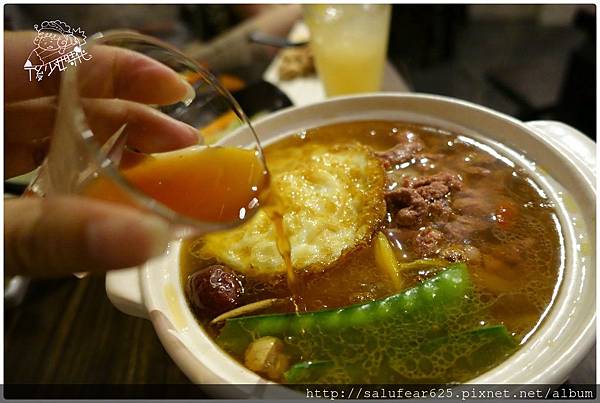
[[67, 331]]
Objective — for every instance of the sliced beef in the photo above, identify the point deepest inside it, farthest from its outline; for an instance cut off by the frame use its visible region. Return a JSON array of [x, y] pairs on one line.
[[427, 162], [462, 227], [406, 149], [401, 237], [479, 164], [437, 186], [423, 199], [477, 170], [482, 159], [461, 253], [474, 202], [428, 241], [422, 242], [400, 153], [431, 156], [410, 205]]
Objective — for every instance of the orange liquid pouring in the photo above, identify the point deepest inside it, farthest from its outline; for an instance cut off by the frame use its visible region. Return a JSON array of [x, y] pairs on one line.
[[217, 184]]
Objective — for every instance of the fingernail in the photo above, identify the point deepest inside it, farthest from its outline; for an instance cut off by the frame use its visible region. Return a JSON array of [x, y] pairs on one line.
[[190, 93], [126, 239], [194, 133]]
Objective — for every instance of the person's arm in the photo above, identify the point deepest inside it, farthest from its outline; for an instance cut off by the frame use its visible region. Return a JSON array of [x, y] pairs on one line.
[[232, 49]]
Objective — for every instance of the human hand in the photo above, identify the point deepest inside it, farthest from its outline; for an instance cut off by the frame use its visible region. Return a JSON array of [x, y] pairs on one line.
[[116, 84], [58, 235]]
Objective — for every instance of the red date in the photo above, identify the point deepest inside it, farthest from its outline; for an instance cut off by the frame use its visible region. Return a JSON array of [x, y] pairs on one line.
[[214, 289]]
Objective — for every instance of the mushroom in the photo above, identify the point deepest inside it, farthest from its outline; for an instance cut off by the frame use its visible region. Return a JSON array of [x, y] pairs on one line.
[[265, 355]]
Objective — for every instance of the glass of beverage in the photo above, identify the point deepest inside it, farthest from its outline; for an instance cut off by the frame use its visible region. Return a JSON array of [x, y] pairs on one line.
[[349, 43], [139, 123]]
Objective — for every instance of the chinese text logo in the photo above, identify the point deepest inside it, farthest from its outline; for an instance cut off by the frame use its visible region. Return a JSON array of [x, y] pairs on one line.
[[57, 46]]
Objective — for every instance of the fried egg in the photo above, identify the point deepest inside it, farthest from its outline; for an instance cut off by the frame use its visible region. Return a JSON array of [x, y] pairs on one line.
[[324, 199]]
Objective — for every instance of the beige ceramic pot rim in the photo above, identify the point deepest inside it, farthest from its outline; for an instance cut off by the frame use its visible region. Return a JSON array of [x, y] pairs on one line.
[[559, 158]]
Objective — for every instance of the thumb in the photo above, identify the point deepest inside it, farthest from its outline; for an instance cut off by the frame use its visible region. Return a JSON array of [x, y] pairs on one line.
[[56, 236]]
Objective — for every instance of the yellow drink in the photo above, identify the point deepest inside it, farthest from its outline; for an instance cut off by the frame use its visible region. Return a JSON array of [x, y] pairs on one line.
[[349, 43]]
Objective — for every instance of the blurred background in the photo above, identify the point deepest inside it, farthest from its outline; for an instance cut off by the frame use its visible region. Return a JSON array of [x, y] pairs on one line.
[[530, 61]]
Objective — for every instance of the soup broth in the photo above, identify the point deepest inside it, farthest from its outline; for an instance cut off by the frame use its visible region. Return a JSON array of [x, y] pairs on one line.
[[455, 273], [202, 184]]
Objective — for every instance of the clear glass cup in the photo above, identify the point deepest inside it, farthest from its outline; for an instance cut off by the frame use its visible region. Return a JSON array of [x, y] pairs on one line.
[[139, 123], [349, 44]]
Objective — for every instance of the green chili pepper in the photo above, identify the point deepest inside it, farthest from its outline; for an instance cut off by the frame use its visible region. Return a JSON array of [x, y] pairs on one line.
[[432, 298]]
